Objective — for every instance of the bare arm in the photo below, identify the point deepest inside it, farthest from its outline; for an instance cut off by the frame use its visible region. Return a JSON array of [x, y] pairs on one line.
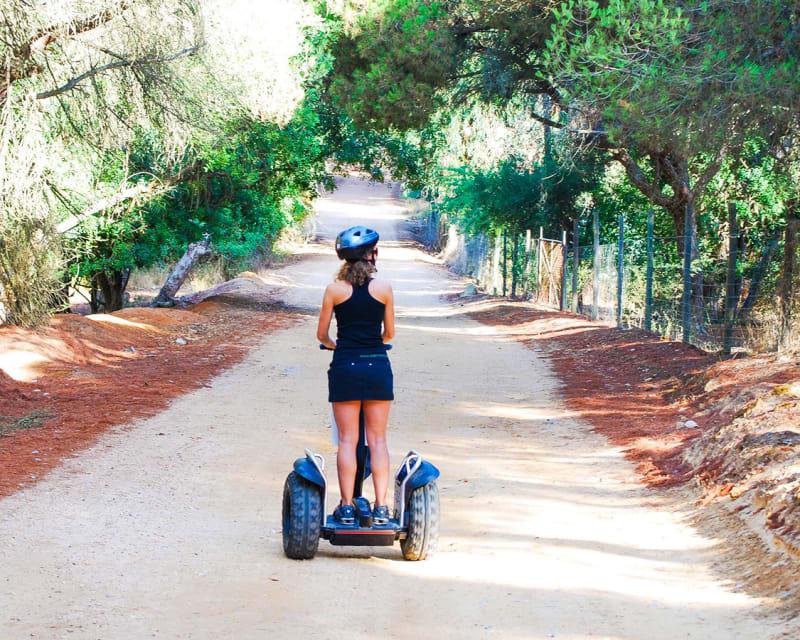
[[388, 316], [324, 325]]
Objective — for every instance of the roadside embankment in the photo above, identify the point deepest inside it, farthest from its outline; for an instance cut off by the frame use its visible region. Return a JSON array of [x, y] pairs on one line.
[[731, 427], [65, 384]]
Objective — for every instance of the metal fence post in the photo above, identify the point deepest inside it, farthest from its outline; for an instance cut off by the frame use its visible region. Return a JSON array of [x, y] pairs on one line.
[[686, 299], [563, 304], [648, 288], [505, 261], [620, 266], [731, 291], [539, 248], [495, 261], [576, 262], [595, 265], [514, 260]]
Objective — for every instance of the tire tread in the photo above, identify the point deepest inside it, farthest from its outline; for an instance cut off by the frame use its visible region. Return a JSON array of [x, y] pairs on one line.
[[423, 523], [301, 529]]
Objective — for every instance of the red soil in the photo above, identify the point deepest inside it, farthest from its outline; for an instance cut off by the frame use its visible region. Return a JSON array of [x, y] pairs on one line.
[[96, 372], [632, 386]]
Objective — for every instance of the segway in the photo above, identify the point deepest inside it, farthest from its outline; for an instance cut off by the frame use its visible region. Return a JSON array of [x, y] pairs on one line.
[[415, 521]]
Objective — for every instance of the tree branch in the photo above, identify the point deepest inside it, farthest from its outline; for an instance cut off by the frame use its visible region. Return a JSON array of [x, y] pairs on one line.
[[151, 188], [21, 65], [74, 82], [639, 179], [48, 35], [711, 170], [468, 29], [546, 121]]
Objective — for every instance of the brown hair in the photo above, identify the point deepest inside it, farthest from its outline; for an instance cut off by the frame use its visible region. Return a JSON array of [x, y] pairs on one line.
[[356, 273]]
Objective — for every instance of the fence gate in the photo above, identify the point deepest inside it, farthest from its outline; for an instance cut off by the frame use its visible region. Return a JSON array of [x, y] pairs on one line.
[[550, 267]]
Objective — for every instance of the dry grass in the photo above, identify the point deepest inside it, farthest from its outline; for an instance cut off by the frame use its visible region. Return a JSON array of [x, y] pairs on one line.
[[202, 277], [29, 248], [762, 334]]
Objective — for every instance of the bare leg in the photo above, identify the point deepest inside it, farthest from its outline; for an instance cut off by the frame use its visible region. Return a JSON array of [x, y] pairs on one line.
[[346, 414], [376, 416]]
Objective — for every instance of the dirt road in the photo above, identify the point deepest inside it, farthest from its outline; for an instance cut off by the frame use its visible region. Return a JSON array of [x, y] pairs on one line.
[[170, 528]]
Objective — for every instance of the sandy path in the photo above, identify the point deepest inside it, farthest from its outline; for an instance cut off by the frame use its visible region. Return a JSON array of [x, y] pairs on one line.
[[171, 528]]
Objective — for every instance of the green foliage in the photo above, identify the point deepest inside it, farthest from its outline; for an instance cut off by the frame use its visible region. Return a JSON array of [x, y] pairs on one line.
[[518, 197], [242, 183], [346, 142], [391, 63], [671, 90], [242, 190], [663, 75]]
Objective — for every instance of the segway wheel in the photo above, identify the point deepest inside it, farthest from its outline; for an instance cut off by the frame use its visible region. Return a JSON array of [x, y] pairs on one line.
[[302, 517], [423, 523]]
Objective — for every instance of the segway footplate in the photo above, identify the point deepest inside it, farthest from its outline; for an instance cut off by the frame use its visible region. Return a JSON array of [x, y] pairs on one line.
[[355, 536]]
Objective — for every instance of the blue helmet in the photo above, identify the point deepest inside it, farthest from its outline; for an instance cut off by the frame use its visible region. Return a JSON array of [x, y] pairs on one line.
[[354, 243]]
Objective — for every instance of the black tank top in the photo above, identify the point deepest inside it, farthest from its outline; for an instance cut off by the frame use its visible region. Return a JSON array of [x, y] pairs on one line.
[[359, 321]]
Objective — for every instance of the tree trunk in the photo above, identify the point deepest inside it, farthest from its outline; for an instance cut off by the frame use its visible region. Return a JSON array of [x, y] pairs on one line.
[[175, 280], [677, 211], [94, 295], [548, 132], [111, 294], [758, 275], [788, 274]]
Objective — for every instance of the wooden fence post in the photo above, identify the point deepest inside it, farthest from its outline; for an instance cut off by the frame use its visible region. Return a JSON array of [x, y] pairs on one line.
[[563, 304], [595, 265], [648, 288], [686, 299], [731, 290], [620, 266], [576, 262]]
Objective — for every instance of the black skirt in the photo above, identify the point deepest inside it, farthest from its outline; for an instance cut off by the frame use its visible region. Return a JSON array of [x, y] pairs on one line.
[[360, 377]]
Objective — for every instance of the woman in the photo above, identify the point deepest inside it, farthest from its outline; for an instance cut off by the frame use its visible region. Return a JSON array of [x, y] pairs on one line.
[[360, 375]]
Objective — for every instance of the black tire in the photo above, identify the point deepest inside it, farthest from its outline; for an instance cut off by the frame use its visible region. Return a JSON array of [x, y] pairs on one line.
[[423, 523], [302, 513]]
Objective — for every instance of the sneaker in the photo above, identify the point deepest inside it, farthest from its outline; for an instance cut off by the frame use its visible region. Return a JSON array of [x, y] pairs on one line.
[[380, 514], [345, 514]]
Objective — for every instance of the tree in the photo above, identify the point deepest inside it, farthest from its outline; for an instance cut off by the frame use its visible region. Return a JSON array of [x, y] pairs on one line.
[[130, 129], [669, 90], [241, 188], [78, 82]]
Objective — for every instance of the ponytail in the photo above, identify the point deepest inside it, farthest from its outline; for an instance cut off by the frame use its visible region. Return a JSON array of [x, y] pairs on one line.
[[356, 273]]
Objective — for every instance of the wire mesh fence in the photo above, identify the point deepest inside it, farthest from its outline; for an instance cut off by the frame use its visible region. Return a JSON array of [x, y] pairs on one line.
[[708, 299], [643, 281]]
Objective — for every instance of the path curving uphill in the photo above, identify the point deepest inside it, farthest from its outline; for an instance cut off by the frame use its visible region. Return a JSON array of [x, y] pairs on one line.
[[170, 528]]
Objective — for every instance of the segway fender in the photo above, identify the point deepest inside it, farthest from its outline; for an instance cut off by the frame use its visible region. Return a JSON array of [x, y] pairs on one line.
[[306, 469], [426, 474]]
